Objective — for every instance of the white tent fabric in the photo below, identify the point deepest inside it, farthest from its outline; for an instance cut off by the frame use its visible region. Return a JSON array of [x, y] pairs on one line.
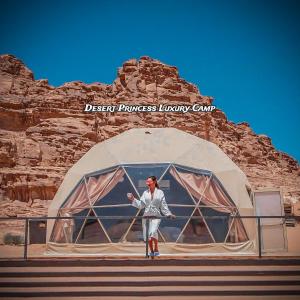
[[160, 145]]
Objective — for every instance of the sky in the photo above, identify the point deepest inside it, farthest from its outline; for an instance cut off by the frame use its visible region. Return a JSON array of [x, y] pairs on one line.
[[245, 54]]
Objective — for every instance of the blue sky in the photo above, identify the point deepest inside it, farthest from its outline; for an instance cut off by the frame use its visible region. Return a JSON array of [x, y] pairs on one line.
[[245, 54]]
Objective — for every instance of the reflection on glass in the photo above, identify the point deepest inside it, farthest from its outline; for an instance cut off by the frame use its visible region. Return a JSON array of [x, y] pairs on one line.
[[66, 230], [110, 189], [96, 184], [135, 233], [78, 222], [77, 198], [195, 183], [183, 169], [91, 232], [116, 228], [58, 235], [174, 192], [231, 236], [171, 228], [196, 231], [160, 238], [218, 225], [237, 232], [138, 175], [118, 195]]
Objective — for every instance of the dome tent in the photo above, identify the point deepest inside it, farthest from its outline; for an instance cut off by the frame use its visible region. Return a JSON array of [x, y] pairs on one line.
[[198, 179]]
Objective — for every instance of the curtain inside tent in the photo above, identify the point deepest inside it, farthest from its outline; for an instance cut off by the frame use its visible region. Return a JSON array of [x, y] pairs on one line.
[[79, 202], [208, 192]]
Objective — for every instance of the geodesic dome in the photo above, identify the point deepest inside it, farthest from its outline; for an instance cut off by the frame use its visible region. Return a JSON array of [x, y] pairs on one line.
[[197, 178]]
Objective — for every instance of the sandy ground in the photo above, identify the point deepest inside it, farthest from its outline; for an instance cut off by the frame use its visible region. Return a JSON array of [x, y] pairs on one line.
[[37, 250]]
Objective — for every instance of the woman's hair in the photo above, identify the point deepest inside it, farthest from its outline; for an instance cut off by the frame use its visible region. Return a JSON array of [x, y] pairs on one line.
[[155, 180]]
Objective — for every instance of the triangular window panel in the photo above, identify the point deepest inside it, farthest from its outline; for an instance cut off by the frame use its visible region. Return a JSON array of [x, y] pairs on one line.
[[139, 174], [230, 237], [195, 183], [116, 192], [92, 232], [78, 197], [160, 238], [171, 228], [116, 227], [215, 195], [78, 222], [135, 233], [192, 171], [217, 221], [237, 232], [96, 184], [196, 232], [174, 190], [58, 234]]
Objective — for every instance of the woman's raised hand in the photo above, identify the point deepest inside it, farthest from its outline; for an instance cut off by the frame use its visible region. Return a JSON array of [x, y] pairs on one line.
[[171, 216], [130, 196]]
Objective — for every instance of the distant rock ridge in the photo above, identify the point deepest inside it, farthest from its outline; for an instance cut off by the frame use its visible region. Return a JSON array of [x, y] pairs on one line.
[[44, 131]]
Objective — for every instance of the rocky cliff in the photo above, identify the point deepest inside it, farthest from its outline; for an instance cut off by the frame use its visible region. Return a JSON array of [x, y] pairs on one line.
[[44, 131]]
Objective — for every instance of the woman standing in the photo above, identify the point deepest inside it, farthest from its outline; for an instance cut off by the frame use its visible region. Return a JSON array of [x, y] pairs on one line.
[[153, 200]]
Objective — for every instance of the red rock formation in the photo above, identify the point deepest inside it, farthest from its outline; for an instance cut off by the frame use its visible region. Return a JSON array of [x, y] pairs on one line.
[[44, 130]]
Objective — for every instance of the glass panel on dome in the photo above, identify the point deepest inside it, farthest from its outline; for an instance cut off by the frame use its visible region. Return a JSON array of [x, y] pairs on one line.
[[195, 183], [92, 232], [230, 237], [96, 184], [217, 221], [66, 230], [78, 222], [78, 197], [237, 232], [138, 174], [185, 169], [215, 195], [171, 228], [196, 231], [175, 192], [58, 234], [135, 233], [76, 204], [116, 191], [116, 228], [160, 237]]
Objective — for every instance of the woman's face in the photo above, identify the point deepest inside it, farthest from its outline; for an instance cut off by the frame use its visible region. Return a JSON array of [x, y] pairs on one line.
[[150, 183]]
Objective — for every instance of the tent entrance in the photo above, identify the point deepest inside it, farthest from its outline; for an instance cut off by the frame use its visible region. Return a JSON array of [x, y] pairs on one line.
[[273, 231]]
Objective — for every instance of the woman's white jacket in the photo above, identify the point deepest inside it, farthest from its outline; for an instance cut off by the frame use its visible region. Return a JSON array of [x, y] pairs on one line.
[[153, 206]]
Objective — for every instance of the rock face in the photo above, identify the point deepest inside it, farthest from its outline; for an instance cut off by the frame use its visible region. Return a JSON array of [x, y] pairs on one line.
[[44, 131]]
